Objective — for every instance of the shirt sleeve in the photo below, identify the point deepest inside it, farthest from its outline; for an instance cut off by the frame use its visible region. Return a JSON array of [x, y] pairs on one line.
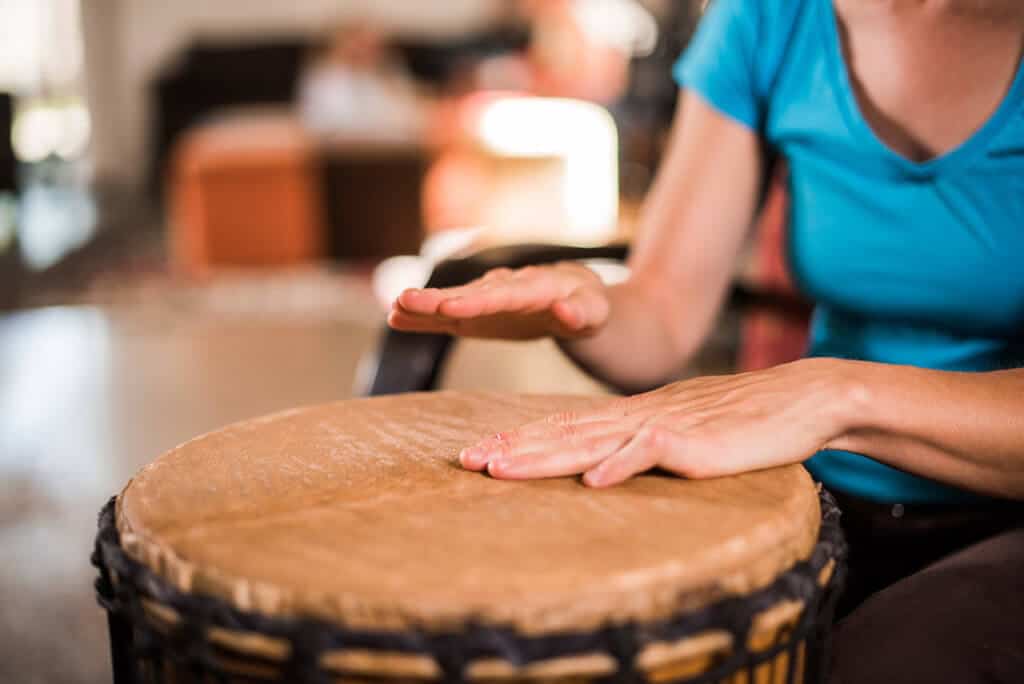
[[719, 61]]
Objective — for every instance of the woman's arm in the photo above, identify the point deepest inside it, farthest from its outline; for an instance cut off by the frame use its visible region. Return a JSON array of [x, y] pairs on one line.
[[692, 227], [966, 429], [639, 333]]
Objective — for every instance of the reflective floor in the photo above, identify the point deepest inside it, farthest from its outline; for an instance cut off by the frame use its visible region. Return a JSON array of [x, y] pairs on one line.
[[87, 396]]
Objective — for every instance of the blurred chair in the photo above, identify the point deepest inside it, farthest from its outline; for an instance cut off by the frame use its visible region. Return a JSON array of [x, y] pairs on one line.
[[207, 78], [245, 191], [8, 165], [412, 362], [373, 198]]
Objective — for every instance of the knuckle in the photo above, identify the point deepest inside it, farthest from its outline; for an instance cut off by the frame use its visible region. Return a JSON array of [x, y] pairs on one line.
[[569, 432], [563, 418], [496, 448], [621, 407], [657, 437], [505, 441]]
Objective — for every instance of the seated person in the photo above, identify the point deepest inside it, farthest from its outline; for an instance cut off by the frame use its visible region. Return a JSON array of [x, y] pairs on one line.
[[902, 124]]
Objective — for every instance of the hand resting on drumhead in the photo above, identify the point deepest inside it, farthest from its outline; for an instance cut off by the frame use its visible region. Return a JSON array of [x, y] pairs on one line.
[[910, 418], [699, 428]]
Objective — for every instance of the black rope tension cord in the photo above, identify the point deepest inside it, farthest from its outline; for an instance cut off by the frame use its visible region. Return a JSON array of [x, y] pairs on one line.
[[124, 583]]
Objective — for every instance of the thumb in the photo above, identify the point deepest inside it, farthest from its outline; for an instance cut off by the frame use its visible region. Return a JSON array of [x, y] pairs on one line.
[[584, 309]]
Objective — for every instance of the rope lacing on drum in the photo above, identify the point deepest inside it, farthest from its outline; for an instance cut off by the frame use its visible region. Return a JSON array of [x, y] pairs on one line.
[[124, 583]]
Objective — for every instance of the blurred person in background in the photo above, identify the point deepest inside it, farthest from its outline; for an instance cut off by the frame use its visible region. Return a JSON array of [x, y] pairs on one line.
[[582, 48], [578, 49], [902, 125], [357, 88]]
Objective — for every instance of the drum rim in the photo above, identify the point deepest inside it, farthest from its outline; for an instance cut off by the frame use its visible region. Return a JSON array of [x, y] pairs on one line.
[[124, 583], [212, 549]]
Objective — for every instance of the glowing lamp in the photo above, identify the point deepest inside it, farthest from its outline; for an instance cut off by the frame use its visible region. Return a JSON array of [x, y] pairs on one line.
[[554, 170]]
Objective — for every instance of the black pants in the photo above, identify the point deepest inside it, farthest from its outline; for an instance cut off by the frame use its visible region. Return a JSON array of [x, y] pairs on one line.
[[935, 594]]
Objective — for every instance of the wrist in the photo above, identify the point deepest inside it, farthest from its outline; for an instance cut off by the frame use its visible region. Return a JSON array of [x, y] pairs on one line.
[[846, 397]]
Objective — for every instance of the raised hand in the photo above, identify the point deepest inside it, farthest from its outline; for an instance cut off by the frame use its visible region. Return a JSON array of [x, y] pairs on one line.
[[565, 300]]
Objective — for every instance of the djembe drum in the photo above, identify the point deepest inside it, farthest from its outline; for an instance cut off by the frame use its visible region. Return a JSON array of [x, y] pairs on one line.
[[342, 543]]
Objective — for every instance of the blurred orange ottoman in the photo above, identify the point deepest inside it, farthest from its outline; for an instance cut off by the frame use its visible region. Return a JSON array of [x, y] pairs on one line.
[[245, 190]]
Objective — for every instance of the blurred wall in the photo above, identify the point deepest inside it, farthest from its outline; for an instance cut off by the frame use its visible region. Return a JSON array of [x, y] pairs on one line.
[[128, 41]]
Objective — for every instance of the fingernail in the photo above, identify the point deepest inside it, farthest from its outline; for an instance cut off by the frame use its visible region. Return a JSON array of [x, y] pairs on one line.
[[471, 457], [498, 466]]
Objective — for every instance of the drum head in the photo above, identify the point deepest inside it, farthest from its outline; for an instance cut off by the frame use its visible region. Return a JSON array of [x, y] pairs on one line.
[[357, 513]]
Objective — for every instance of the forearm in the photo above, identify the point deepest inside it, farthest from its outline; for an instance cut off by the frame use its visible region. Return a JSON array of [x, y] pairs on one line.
[[692, 227], [638, 348], [966, 429]]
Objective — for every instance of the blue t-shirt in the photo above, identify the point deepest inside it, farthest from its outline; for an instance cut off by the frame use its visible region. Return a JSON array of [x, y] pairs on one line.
[[909, 263]]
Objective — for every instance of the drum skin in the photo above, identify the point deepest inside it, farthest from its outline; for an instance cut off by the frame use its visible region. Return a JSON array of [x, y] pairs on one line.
[[356, 514]]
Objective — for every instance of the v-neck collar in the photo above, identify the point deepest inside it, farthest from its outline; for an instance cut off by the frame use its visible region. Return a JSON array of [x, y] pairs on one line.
[[855, 119]]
